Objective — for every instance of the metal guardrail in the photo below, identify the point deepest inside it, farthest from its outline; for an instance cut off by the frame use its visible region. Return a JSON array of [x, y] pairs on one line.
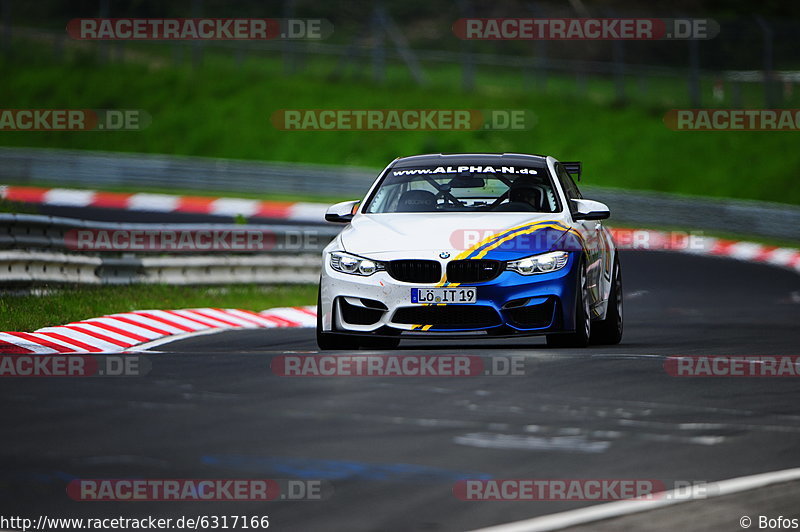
[[37, 267], [100, 169], [28, 267], [30, 231], [104, 169], [738, 217], [35, 249]]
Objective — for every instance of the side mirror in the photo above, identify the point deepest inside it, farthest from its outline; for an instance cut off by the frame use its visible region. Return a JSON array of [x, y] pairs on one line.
[[342, 212], [590, 210]]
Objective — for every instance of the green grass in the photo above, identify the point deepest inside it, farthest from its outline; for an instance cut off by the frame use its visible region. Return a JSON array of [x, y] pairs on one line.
[[15, 207], [224, 109], [29, 311]]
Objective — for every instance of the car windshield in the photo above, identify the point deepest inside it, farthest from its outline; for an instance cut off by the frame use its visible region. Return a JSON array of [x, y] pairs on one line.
[[464, 188]]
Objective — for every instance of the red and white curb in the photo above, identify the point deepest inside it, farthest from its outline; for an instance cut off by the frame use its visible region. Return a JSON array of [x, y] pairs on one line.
[[66, 197], [695, 244], [121, 332]]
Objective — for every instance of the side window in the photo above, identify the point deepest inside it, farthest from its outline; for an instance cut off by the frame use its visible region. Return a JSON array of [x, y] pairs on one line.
[[569, 186]]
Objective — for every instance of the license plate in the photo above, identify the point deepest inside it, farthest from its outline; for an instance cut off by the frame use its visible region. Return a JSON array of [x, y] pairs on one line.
[[444, 295]]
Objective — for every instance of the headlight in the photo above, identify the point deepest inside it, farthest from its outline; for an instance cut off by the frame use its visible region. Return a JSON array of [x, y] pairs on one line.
[[544, 263], [354, 265]]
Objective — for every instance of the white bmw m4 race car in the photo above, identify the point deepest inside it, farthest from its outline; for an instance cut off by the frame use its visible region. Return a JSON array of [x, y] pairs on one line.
[[470, 245]]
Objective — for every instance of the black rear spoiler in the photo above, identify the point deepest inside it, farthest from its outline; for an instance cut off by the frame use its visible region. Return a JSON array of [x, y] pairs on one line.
[[573, 168]]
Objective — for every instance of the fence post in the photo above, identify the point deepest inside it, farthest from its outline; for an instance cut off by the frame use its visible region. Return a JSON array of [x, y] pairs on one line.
[[540, 52], [103, 45], [694, 74], [580, 81], [289, 64], [177, 53], [378, 53], [58, 46], [766, 30], [618, 52], [736, 95], [643, 84], [402, 47], [351, 55], [7, 27], [618, 63], [541, 65], [197, 46], [467, 63]]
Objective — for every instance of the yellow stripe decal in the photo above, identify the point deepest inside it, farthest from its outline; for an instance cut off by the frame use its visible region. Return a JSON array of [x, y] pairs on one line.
[[506, 238], [495, 240]]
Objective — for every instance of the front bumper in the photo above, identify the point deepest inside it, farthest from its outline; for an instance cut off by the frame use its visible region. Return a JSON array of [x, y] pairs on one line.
[[509, 305]]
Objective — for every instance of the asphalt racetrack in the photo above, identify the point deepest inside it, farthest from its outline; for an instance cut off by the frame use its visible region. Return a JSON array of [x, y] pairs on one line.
[[391, 449]]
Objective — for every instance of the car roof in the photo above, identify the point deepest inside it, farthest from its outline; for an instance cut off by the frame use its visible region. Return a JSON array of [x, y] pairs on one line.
[[433, 159]]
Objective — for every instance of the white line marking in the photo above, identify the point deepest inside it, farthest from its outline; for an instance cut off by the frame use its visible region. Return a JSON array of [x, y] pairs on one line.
[[27, 344], [71, 197], [191, 313], [255, 317], [224, 315], [292, 314], [782, 256], [180, 320], [156, 324], [72, 347], [575, 444], [234, 206], [610, 510], [109, 334], [82, 337], [153, 202], [312, 212], [114, 322], [745, 250]]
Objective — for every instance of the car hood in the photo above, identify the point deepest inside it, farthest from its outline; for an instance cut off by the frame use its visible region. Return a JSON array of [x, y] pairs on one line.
[[415, 235]]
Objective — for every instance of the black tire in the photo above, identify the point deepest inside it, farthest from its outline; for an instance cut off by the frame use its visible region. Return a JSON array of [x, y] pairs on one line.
[[331, 341], [609, 330], [583, 319]]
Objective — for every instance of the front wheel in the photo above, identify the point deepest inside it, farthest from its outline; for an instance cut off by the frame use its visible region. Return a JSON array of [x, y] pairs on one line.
[[609, 330], [329, 341], [583, 316]]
